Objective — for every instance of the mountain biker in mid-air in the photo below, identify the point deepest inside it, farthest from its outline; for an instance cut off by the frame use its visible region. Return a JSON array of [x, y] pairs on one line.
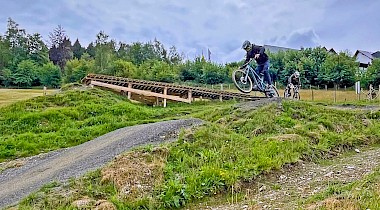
[[294, 80], [262, 59]]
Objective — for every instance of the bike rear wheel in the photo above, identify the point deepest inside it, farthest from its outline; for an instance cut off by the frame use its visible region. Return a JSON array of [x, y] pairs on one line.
[[244, 85], [272, 93]]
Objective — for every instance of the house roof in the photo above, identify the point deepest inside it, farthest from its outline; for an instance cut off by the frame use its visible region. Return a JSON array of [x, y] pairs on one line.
[[376, 54], [364, 59], [275, 49], [365, 53], [332, 51]]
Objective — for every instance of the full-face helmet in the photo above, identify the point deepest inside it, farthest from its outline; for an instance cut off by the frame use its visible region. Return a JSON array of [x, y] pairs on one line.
[[246, 45]]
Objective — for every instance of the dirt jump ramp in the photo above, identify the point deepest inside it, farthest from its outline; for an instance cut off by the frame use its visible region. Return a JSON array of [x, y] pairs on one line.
[[17, 183]]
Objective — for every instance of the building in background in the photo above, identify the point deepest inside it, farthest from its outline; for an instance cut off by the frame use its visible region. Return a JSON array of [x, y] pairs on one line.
[[365, 58]]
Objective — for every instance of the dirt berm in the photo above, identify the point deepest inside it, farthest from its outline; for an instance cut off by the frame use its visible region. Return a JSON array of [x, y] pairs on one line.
[[16, 183]]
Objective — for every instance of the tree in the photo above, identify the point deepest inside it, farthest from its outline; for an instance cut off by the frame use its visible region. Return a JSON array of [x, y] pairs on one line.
[[5, 77], [372, 75], [138, 52], [17, 40], [158, 71], [159, 51], [277, 65], [122, 68], [5, 54], [318, 56], [104, 52], [77, 69], [77, 49], [91, 50], [50, 75], [174, 57], [60, 50], [37, 50], [25, 73], [338, 70]]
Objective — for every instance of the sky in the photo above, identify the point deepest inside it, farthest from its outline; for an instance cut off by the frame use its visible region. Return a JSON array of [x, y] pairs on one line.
[[194, 26]]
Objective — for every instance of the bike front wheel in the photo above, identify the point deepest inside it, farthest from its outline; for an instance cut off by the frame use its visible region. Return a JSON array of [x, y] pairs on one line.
[[297, 96], [272, 92], [287, 93], [244, 85]]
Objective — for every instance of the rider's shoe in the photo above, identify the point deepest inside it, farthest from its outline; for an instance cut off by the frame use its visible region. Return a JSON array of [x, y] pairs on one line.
[[255, 88], [267, 88]]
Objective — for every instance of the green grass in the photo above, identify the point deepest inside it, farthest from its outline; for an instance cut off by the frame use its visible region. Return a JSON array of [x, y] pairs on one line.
[[72, 117], [249, 144], [9, 96], [235, 146]]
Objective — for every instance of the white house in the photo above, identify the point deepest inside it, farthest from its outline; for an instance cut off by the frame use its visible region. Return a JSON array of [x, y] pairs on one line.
[[365, 58]]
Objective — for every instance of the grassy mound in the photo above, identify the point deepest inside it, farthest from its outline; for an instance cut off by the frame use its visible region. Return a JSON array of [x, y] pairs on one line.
[[234, 147], [70, 118]]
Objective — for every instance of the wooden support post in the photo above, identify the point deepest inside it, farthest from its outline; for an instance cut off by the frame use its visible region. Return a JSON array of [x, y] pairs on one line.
[[220, 97], [165, 93], [190, 96], [129, 93]]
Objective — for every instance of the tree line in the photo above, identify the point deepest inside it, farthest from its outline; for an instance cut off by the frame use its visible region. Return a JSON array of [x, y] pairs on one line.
[[26, 60]]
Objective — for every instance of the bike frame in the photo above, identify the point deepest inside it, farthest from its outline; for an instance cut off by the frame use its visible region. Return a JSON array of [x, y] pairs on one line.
[[259, 81]]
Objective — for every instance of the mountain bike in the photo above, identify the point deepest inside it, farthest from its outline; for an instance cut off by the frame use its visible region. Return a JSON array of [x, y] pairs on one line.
[[296, 93], [371, 93], [247, 79], [288, 91]]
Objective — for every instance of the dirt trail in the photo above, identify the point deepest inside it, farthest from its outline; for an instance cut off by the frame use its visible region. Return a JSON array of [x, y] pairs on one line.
[[16, 183], [283, 189]]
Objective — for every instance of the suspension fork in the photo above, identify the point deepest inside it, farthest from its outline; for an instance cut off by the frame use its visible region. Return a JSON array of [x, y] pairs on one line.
[[246, 73]]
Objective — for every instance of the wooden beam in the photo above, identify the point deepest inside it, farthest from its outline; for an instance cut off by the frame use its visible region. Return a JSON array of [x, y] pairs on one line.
[[165, 94], [129, 92], [141, 92]]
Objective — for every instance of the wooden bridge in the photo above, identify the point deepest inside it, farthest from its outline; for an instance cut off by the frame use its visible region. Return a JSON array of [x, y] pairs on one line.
[[159, 92]]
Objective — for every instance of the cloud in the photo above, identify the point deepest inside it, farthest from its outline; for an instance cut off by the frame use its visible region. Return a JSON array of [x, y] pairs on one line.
[[297, 39], [193, 26]]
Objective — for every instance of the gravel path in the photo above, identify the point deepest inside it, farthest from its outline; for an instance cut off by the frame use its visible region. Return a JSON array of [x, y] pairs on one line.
[[16, 183], [284, 188]]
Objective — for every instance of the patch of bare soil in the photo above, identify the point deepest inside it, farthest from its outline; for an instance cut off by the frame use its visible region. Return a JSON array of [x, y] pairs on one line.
[[136, 173], [357, 108], [283, 189], [246, 106], [336, 203]]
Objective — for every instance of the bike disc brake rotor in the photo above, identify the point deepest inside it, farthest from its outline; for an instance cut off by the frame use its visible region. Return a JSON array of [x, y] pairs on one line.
[[243, 81]]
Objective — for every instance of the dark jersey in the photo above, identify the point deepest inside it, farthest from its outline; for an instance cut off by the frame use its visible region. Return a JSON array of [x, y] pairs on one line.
[[257, 50], [294, 80]]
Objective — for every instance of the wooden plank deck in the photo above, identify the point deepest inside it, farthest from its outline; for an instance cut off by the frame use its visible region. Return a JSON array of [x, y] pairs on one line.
[[161, 90]]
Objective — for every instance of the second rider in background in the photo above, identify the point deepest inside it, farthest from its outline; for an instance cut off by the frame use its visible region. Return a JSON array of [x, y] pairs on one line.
[[293, 80], [262, 59]]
